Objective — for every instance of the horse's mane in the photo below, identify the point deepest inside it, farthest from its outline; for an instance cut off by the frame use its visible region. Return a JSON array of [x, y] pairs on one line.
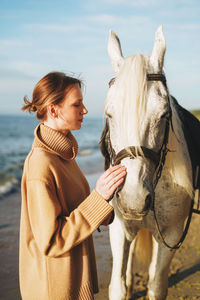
[[130, 99]]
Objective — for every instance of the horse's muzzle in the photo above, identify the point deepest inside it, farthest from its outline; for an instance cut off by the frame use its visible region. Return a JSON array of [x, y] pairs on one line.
[[133, 214]]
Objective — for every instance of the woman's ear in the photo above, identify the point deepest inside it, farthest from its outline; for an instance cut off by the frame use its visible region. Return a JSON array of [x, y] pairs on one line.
[[52, 111]]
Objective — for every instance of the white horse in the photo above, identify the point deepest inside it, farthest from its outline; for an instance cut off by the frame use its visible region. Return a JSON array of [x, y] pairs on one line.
[[143, 120]]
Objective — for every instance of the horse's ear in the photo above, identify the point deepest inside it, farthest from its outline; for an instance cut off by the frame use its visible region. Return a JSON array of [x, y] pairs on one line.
[[114, 51], [157, 56]]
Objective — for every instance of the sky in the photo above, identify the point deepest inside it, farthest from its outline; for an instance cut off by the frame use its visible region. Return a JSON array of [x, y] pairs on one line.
[[40, 36]]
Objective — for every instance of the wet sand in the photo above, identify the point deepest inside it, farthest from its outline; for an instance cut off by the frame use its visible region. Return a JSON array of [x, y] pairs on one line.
[[9, 243], [184, 277], [104, 261]]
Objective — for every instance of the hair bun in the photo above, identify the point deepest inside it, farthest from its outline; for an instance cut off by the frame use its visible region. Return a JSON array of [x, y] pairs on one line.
[[30, 106], [33, 107]]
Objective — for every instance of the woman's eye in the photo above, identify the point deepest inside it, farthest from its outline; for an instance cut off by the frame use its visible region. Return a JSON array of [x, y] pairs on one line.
[[77, 105]]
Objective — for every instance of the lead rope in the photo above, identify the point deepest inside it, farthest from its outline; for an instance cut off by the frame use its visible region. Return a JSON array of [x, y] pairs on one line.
[[177, 245], [196, 195]]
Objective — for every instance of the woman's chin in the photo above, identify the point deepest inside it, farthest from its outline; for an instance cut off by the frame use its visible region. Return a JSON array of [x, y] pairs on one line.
[[77, 127]]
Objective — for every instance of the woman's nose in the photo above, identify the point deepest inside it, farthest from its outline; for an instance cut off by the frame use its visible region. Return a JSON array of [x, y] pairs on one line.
[[84, 111]]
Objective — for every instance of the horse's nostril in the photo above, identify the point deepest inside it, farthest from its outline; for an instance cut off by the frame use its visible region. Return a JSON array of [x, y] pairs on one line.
[[148, 201]]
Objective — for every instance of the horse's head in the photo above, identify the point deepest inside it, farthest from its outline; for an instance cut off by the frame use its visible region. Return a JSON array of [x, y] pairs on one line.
[[137, 110]]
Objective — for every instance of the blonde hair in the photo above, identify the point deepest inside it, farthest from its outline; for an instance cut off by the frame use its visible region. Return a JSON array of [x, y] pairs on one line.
[[51, 89]]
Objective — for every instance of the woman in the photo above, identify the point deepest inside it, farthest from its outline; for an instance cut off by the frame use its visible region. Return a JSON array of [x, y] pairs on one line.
[[58, 212]]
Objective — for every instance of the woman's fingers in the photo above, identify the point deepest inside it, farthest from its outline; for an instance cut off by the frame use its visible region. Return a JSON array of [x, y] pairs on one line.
[[116, 185], [110, 180], [112, 170], [114, 177]]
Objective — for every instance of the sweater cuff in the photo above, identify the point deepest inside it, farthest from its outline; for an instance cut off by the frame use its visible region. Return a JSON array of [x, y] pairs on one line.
[[95, 208]]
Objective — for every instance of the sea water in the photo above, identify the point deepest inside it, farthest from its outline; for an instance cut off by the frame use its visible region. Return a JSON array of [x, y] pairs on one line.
[[16, 138]]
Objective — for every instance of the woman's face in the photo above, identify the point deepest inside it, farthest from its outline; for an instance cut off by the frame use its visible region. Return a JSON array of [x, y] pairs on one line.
[[71, 110]]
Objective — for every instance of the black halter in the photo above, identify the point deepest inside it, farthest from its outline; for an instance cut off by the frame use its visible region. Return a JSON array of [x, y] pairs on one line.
[[157, 157]]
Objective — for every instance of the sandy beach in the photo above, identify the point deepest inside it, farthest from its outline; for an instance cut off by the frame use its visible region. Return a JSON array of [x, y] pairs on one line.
[[184, 277], [9, 243]]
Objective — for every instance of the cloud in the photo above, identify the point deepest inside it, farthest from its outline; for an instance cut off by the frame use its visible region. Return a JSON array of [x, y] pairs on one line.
[[21, 69], [32, 69], [108, 19], [5, 43], [189, 2], [139, 4], [133, 3], [11, 86], [53, 27], [88, 24], [194, 26], [70, 25], [93, 5], [10, 46]]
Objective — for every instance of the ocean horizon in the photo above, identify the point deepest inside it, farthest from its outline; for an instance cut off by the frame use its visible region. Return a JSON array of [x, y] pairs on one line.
[[17, 134]]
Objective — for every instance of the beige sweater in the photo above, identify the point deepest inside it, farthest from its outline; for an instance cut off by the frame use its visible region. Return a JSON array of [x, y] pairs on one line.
[[58, 217]]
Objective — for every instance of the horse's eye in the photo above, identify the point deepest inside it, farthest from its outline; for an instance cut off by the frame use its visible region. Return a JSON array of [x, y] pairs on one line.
[[111, 82], [165, 115], [108, 115]]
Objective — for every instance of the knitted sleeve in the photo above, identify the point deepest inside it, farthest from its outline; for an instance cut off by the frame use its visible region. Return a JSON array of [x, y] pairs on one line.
[[55, 234]]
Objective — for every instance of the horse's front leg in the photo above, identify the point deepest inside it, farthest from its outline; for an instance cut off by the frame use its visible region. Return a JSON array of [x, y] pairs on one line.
[[129, 271], [120, 250], [158, 271]]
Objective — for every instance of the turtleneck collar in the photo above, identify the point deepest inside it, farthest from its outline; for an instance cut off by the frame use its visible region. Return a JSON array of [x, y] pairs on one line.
[[54, 141]]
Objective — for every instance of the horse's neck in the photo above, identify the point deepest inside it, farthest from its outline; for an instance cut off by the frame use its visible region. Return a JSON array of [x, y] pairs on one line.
[[178, 161]]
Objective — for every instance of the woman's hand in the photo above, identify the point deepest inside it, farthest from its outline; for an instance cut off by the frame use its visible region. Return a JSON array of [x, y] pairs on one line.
[[109, 181]]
